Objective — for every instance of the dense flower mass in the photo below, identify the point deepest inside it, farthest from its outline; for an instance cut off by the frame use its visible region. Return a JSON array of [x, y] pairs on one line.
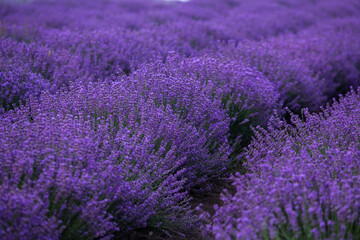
[[28, 69], [114, 114], [88, 175], [303, 181]]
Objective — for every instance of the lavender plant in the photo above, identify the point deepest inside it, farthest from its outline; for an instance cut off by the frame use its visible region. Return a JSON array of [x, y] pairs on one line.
[[244, 92], [88, 183], [303, 180], [296, 83], [197, 131]]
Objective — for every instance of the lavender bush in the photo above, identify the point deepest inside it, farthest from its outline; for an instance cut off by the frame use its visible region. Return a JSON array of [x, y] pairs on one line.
[[196, 126], [244, 92], [303, 181], [90, 183]]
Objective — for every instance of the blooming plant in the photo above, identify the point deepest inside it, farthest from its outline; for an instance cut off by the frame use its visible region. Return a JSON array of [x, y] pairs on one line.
[[303, 180]]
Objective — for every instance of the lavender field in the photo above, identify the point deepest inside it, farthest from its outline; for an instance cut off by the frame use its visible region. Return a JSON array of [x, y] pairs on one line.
[[200, 119]]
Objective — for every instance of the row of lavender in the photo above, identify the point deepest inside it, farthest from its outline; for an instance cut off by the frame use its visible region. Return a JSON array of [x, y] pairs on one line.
[[303, 180], [99, 156], [104, 129], [65, 40]]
